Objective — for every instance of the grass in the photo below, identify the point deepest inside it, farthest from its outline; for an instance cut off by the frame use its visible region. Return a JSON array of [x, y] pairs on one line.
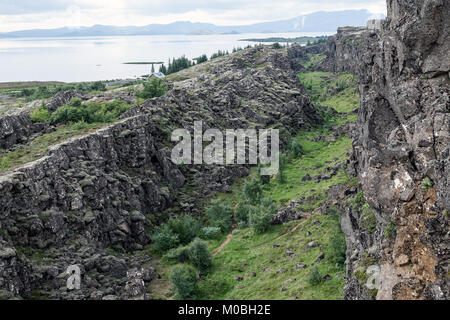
[[313, 60], [40, 146], [28, 84], [323, 87], [261, 265]]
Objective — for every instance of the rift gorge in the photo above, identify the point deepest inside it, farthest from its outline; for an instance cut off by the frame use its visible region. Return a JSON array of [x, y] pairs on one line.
[[304, 170]]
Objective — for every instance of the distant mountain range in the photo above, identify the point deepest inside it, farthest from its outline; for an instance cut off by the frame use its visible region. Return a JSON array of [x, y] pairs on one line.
[[322, 21]]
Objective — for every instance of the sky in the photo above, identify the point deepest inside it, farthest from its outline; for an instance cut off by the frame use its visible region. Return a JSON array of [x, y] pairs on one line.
[[48, 14]]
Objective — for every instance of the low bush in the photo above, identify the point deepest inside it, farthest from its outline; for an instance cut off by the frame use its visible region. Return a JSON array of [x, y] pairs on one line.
[[315, 277], [94, 112], [40, 115], [241, 213], [180, 254], [336, 248], [295, 148], [165, 239], [252, 192], [199, 256], [185, 227], [210, 232], [260, 215]]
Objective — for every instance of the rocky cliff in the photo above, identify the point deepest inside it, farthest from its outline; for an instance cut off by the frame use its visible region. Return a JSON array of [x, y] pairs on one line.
[[401, 155]]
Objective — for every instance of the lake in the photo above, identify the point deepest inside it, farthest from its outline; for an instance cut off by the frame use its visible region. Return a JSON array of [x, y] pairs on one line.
[[102, 58]]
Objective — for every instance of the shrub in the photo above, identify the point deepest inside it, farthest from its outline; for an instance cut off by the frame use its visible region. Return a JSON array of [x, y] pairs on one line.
[[241, 213], [80, 125], [185, 227], [153, 88], [199, 256], [260, 216], [184, 279], [336, 243], [180, 254], [282, 167], [427, 184], [276, 45], [252, 192], [315, 278], [210, 232], [264, 179], [93, 112], [40, 115], [295, 148], [98, 86], [220, 216], [165, 239]]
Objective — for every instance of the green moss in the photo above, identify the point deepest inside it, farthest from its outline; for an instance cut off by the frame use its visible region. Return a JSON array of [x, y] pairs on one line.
[[427, 184], [390, 230], [367, 220]]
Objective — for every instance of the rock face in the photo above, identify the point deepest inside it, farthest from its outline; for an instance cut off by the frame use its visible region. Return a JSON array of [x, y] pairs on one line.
[[17, 128], [344, 50], [402, 157], [96, 197]]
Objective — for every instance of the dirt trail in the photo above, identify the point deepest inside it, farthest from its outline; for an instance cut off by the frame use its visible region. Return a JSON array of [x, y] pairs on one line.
[[216, 251]]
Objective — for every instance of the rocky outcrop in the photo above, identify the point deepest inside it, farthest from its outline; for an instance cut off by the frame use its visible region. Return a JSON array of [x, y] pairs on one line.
[[63, 97], [401, 155], [17, 128], [344, 50]]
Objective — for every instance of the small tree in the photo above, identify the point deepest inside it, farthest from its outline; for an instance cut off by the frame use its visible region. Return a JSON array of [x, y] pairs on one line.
[[184, 279], [185, 227], [199, 256], [180, 254]]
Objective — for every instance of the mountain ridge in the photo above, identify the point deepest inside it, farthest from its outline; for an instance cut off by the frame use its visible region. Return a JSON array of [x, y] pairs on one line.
[[321, 21]]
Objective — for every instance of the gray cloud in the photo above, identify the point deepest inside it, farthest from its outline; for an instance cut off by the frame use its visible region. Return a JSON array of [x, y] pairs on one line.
[[158, 7], [15, 7]]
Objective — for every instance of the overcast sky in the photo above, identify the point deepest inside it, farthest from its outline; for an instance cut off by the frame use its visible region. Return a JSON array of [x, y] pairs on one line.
[[30, 14]]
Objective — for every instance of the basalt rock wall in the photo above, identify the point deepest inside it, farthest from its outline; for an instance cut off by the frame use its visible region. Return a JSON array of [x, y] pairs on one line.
[[401, 155]]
